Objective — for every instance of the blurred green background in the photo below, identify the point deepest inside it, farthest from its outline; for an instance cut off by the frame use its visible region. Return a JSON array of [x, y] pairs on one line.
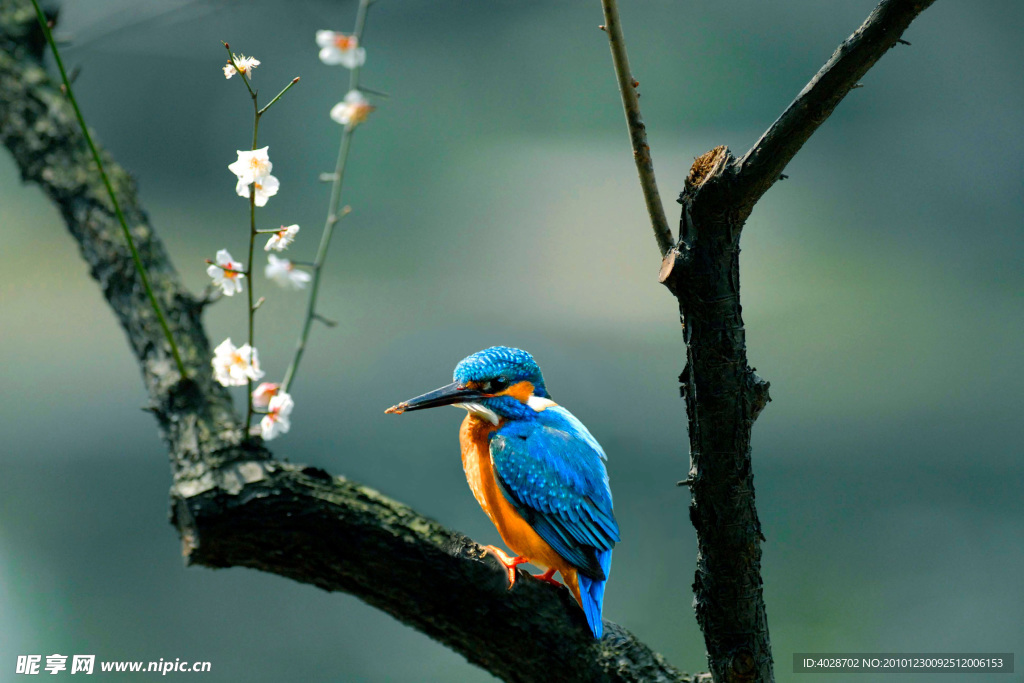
[[495, 202]]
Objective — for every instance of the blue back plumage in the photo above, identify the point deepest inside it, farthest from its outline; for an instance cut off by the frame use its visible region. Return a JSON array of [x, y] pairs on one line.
[[551, 469]]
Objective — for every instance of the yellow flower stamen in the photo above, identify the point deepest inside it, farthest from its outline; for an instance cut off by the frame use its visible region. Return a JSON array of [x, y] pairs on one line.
[[360, 112]]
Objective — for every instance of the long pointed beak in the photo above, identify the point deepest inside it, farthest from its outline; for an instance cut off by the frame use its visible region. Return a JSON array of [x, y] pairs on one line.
[[445, 396]]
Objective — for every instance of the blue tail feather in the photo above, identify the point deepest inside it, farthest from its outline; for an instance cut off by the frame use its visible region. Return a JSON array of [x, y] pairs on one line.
[[592, 594]]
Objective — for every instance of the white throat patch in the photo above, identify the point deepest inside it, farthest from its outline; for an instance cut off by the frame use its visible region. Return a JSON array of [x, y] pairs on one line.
[[539, 404], [481, 411]]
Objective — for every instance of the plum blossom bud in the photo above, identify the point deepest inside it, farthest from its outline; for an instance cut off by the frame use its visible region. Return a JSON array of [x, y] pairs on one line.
[[227, 274], [340, 48], [263, 393], [280, 240], [266, 188], [234, 367], [245, 65], [251, 165], [283, 272], [277, 421], [353, 110]]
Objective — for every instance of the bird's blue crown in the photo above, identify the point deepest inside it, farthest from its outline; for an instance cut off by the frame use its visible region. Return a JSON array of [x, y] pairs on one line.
[[497, 362]]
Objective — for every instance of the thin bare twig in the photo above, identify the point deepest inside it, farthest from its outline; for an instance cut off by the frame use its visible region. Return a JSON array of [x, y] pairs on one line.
[[762, 166], [635, 124]]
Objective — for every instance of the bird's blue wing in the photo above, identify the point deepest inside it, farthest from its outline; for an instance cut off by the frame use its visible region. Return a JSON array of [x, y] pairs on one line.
[[552, 472]]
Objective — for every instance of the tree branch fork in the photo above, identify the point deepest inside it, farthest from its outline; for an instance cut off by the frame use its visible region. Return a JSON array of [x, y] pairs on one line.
[[723, 394]]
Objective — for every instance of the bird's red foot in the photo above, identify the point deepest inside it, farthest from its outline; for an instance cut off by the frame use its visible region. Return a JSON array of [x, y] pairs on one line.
[[507, 561], [547, 577]]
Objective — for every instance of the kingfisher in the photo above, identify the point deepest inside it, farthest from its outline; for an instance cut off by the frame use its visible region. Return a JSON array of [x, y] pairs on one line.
[[535, 470]]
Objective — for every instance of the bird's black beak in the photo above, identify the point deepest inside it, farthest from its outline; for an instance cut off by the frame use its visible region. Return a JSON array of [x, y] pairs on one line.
[[445, 396]]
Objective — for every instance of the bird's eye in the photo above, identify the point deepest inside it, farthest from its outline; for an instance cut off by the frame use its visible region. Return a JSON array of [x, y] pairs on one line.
[[493, 386]]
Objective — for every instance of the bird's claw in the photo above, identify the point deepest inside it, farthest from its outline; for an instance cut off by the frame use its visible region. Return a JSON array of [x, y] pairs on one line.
[[507, 561], [548, 577]]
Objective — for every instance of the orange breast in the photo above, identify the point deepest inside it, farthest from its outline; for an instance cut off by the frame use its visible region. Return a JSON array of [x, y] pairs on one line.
[[515, 532]]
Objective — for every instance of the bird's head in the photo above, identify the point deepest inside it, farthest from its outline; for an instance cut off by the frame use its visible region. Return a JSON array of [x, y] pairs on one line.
[[499, 382]]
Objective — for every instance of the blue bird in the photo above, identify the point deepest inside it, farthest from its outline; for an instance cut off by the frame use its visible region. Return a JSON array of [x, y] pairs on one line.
[[535, 470]]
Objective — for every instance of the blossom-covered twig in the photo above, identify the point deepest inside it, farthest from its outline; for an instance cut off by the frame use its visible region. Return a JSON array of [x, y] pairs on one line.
[[139, 268], [254, 180], [345, 50], [244, 74]]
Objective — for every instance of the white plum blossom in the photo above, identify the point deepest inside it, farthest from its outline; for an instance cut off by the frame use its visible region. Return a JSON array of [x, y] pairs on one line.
[[283, 272], [234, 367], [340, 48], [266, 188], [276, 421], [262, 394], [245, 65], [353, 110], [280, 240], [227, 274], [251, 165]]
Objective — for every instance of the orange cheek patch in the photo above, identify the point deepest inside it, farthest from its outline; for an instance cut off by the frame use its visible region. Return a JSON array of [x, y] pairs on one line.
[[521, 391]]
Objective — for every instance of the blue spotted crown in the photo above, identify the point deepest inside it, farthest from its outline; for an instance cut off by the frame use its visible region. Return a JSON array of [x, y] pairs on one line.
[[515, 365]]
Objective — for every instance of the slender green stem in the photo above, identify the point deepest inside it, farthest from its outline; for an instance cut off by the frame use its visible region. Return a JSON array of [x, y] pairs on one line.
[[252, 231], [332, 213], [295, 80], [248, 273], [364, 6], [141, 269], [321, 255]]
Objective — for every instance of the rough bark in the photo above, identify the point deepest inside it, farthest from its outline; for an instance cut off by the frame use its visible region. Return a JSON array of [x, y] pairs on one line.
[[231, 502], [723, 394], [723, 398]]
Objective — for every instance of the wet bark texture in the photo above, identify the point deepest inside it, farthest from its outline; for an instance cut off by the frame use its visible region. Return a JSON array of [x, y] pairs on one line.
[[234, 505], [723, 394]]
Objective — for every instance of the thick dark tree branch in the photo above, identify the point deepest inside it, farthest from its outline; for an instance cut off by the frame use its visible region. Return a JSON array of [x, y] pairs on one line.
[[235, 506], [761, 167], [723, 395], [723, 398]]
